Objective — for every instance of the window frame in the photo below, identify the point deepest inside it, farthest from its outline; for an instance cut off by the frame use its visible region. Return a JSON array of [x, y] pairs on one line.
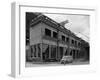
[[46, 32], [56, 34], [63, 37]]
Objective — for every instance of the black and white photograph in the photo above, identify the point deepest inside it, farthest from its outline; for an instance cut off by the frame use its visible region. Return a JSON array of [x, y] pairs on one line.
[[52, 40], [57, 39]]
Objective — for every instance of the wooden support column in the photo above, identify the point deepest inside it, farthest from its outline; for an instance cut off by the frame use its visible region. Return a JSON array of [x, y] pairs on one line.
[[32, 52], [41, 45], [56, 52], [36, 50], [75, 53], [49, 51]]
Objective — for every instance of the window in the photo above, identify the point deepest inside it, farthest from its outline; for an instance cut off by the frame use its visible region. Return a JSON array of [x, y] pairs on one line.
[[63, 38], [75, 42], [47, 32], [67, 39], [79, 44], [72, 41], [55, 34]]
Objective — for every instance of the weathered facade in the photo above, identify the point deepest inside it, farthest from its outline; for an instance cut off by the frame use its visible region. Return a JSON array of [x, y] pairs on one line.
[[48, 40]]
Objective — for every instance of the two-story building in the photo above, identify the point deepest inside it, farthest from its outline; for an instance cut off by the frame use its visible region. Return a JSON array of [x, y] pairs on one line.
[[48, 40]]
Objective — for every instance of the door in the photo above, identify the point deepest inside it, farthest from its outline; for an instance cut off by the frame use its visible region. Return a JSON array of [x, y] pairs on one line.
[[53, 52], [61, 52]]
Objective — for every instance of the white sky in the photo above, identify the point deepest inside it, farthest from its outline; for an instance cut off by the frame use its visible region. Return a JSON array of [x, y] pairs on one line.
[[78, 24]]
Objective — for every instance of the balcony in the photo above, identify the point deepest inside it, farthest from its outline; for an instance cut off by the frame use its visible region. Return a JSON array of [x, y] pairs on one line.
[[49, 38]]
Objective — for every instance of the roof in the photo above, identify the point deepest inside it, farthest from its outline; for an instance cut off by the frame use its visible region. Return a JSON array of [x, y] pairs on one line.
[[54, 24], [50, 22]]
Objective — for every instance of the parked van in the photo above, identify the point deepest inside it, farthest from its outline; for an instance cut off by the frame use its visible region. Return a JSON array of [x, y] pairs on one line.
[[66, 59]]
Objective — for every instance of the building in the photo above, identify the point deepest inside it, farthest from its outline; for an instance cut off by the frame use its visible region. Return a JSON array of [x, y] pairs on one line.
[[49, 40]]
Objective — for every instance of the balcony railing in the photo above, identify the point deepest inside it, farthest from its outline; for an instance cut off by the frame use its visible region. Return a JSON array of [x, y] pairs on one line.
[[59, 40]]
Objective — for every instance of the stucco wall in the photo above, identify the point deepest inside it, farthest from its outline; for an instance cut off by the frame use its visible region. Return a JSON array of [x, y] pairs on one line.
[[35, 34]]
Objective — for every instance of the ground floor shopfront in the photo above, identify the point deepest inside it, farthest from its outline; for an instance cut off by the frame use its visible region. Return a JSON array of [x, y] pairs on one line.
[[47, 52]]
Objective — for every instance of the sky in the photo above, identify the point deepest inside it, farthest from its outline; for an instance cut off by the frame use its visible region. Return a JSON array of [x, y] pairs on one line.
[[78, 24]]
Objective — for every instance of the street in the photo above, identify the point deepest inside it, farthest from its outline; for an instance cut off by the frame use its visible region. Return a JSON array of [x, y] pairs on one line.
[[39, 64]]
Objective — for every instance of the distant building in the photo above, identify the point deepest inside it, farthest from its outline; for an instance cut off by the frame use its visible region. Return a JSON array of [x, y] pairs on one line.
[[49, 40]]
